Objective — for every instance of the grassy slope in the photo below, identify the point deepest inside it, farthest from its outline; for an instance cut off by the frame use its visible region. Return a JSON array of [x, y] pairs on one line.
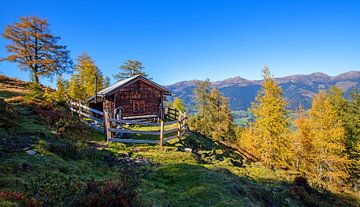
[[205, 177]]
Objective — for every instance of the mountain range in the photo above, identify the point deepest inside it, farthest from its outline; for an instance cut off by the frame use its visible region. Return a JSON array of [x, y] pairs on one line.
[[297, 89]]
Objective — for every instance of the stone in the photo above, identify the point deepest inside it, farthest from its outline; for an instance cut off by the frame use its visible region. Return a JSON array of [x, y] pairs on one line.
[[30, 152], [188, 150]]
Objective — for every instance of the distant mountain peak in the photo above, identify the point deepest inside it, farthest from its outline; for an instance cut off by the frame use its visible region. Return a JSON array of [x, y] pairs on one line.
[[298, 89]]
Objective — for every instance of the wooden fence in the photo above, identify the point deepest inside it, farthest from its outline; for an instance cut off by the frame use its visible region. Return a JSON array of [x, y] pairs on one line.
[[94, 117], [116, 129]]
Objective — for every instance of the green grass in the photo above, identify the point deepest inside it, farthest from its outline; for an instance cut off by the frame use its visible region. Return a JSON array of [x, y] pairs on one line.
[[210, 175]]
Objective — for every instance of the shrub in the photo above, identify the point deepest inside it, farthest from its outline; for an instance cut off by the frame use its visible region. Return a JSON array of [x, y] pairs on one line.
[[70, 150], [11, 198], [108, 193], [54, 189]]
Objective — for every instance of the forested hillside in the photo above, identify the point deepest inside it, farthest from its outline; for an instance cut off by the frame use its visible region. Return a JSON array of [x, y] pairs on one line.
[[49, 158], [298, 89]]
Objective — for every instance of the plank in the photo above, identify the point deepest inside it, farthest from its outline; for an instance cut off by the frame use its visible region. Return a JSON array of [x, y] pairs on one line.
[[87, 108], [133, 122], [99, 121], [136, 141], [140, 117], [134, 131], [170, 131], [97, 128]]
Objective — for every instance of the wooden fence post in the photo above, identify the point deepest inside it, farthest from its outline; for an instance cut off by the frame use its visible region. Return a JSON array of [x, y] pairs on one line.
[[107, 124], [179, 126], [79, 110], [161, 132]]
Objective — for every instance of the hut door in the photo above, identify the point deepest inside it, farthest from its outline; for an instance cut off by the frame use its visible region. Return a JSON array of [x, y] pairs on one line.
[[139, 106]]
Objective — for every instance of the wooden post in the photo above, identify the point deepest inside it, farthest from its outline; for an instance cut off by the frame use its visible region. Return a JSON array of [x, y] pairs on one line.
[[79, 110], [107, 124], [179, 127], [185, 119], [161, 132]]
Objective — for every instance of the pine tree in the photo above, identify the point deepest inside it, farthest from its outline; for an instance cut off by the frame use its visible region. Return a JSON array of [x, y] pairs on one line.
[[34, 48], [271, 123], [130, 68], [327, 164], [106, 82]]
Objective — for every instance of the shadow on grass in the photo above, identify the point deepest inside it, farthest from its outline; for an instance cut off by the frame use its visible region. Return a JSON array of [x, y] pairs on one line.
[[9, 94], [195, 185]]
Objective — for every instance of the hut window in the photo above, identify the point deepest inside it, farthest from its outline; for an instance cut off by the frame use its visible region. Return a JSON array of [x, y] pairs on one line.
[[139, 106]]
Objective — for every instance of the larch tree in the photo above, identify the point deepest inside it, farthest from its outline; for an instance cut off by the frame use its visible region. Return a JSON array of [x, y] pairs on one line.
[[130, 68], [179, 105], [271, 123], [75, 89], [327, 163], [201, 92], [213, 116], [86, 73], [34, 48], [60, 89], [302, 141], [351, 119]]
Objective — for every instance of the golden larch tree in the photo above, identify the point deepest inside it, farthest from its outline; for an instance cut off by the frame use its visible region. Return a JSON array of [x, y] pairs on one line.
[[271, 123], [34, 48], [327, 162]]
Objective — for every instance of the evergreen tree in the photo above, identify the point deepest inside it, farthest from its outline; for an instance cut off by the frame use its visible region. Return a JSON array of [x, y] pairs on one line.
[[271, 122], [34, 48], [106, 82], [130, 68], [327, 165]]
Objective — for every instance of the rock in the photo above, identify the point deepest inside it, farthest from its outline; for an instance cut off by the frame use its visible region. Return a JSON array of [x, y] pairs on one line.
[[30, 152], [188, 150]]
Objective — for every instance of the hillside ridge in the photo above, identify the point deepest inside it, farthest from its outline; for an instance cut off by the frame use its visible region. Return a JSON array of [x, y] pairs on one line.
[[298, 88]]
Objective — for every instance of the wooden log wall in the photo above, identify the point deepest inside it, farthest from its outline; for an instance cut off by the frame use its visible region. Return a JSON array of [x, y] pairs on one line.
[[139, 98]]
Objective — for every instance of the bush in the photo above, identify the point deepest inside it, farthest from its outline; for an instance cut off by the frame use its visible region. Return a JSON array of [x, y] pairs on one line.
[[71, 150], [8, 116], [61, 190], [108, 193], [11, 198], [54, 190]]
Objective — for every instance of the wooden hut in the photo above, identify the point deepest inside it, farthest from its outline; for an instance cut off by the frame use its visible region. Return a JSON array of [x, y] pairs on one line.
[[131, 98]]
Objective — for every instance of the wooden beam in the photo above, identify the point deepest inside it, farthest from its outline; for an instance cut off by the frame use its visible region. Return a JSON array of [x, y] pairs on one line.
[[161, 132], [127, 131], [107, 123]]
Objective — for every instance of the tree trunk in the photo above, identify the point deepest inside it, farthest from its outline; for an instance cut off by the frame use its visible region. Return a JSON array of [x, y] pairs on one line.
[[35, 74]]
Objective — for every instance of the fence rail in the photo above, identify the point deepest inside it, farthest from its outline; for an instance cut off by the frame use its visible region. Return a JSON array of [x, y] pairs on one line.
[[116, 126], [96, 117]]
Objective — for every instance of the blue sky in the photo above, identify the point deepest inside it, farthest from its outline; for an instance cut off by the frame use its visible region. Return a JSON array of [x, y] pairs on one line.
[[182, 40]]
